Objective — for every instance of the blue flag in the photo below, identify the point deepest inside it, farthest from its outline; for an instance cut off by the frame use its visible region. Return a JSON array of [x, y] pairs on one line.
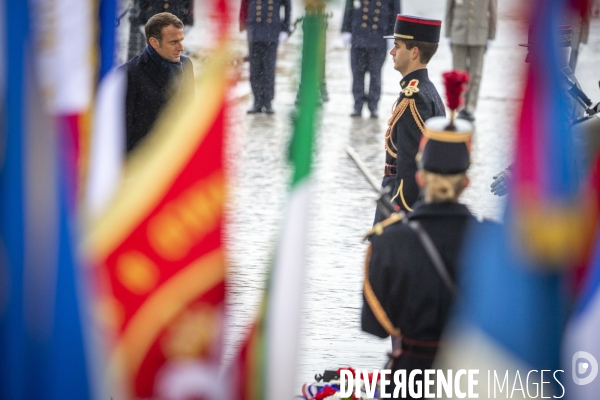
[[41, 338]]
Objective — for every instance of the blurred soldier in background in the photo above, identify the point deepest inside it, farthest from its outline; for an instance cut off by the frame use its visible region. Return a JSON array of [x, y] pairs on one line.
[[580, 24], [266, 30], [141, 11], [577, 106], [470, 25], [364, 25]]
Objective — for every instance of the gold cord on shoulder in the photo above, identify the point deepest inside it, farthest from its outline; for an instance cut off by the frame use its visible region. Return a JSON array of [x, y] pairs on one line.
[[390, 147], [380, 226], [374, 303]]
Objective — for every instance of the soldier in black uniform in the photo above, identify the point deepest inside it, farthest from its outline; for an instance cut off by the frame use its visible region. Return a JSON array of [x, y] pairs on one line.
[[365, 23], [573, 112], [142, 10], [265, 30], [406, 293], [416, 41]]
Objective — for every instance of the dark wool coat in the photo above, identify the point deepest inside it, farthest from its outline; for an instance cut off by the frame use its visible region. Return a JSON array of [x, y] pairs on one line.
[[148, 91], [406, 283]]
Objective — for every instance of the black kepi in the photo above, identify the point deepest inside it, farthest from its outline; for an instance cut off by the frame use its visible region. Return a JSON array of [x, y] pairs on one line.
[[416, 28], [446, 146]]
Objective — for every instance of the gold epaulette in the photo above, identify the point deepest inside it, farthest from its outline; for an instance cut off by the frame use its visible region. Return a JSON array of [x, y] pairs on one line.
[[380, 226]]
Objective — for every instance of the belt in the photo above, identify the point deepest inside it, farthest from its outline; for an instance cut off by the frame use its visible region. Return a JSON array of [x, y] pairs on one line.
[[420, 348], [389, 170]]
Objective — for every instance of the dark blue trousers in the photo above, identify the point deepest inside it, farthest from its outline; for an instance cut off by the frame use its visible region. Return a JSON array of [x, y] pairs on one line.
[[262, 57], [363, 60]]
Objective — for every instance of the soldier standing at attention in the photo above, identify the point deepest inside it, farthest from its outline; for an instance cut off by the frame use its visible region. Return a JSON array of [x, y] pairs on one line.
[[470, 25], [415, 42], [265, 31], [142, 10], [364, 25]]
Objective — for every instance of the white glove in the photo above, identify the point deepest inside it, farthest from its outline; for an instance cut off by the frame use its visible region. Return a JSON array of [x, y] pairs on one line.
[[501, 182], [346, 39], [283, 37], [143, 29], [390, 44]]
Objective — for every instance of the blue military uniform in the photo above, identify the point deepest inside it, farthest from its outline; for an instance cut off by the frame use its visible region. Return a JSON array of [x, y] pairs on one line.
[[182, 9], [368, 21], [262, 20]]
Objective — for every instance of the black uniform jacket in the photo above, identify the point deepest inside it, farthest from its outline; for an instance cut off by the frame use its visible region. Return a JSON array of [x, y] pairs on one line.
[[370, 22], [263, 21], [411, 111], [403, 277], [148, 91], [183, 9]]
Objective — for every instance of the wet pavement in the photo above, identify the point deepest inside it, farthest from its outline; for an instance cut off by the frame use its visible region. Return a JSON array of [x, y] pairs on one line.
[[342, 205]]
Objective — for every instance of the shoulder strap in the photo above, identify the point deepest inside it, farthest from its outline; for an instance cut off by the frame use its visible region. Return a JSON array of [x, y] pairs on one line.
[[433, 254]]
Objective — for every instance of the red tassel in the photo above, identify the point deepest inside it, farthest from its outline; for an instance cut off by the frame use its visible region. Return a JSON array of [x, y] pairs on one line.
[[456, 83]]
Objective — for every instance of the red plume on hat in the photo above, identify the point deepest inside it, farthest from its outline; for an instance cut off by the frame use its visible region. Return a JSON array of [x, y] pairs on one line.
[[455, 82]]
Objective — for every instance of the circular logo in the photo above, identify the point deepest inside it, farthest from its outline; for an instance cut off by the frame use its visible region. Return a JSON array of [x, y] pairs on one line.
[[585, 368]]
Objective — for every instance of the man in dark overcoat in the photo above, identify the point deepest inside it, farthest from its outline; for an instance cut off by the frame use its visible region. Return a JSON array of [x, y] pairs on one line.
[[415, 42], [266, 29], [364, 25], [157, 76]]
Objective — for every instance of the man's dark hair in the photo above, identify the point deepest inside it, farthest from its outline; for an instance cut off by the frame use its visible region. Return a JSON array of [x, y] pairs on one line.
[[426, 49], [159, 21]]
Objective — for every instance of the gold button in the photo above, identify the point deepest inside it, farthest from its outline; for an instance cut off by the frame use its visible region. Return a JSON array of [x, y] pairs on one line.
[[365, 2], [149, 8], [270, 1], [363, 25], [269, 20], [378, 3], [270, 7], [377, 11], [470, 19], [365, 9], [269, 14], [166, 5], [374, 26], [258, 13], [258, 19], [365, 17], [471, 11], [258, 7], [472, 3], [375, 19]]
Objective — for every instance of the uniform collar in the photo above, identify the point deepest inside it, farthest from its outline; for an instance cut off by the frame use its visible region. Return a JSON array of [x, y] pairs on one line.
[[419, 74], [447, 209]]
